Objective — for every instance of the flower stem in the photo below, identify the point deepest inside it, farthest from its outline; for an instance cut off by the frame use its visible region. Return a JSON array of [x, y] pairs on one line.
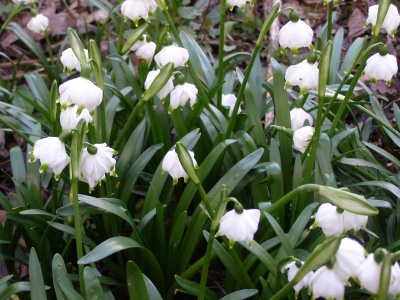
[[206, 264], [53, 70], [120, 35], [329, 25], [221, 50]]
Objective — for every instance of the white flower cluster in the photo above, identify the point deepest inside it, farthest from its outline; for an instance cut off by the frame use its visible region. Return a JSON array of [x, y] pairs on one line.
[[138, 9], [329, 281], [79, 98]]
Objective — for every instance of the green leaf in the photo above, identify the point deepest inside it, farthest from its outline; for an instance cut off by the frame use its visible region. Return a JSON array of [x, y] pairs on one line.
[[134, 37], [15, 288], [281, 235], [136, 284], [38, 290], [263, 255], [60, 274], [76, 45], [17, 164], [69, 290], [151, 289], [108, 247], [192, 288], [159, 82], [242, 294], [93, 287], [96, 63]]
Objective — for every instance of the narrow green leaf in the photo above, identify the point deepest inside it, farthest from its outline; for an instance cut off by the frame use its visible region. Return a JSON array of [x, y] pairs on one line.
[[159, 82], [192, 288], [17, 164], [239, 295], [134, 37], [281, 235], [15, 288], [93, 287], [60, 274], [136, 284], [151, 289], [76, 45], [96, 63], [38, 290], [68, 290]]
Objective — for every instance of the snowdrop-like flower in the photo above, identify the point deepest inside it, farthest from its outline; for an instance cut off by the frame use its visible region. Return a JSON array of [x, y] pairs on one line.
[[304, 75], [70, 61], [177, 55], [69, 118], [181, 94], [349, 258], [25, 1], [81, 92], [353, 221], [302, 137], [229, 101], [151, 6], [329, 219], [51, 153], [298, 116], [239, 3], [135, 10], [239, 227], [96, 161], [391, 21], [146, 51], [327, 283], [394, 286], [168, 87], [295, 34], [293, 269], [381, 67], [38, 24], [173, 166], [368, 274]]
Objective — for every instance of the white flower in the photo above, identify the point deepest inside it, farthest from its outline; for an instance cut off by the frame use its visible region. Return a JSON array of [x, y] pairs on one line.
[[298, 116], [181, 94], [330, 221], [168, 87], [304, 75], [381, 67], [69, 119], [173, 166], [81, 92], [151, 6], [229, 101], [25, 1], [353, 221], [146, 51], [135, 10], [38, 24], [369, 273], [238, 3], [327, 283], [70, 61], [293, 269], [51, 153], [239, 227], [394, 286], [391, 21], [294, 35], [302, 137], [93, 167], [349, 257], [177, 55]]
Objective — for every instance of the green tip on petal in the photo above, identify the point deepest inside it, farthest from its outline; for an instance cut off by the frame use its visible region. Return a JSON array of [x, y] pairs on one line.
[[231, 243], [336, 2], [287, 84], [249, 244], [170, 109], [230, 7], [373, 80], [64, 106], [314, 225], [136, 22], [311, 47], [43, 168], [186, 179], [57, 176], [302, 91], [388, 83], [32, 159], [281, 49], [294, 51], [175, 181]]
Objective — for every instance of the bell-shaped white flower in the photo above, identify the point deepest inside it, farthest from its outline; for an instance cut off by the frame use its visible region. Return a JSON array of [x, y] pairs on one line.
[[81, 92], [70, 61], [25, 1], [298, 116], [381, 67], [394, 286], [38, 24], [329, 219], [146, 51], [177, 55], [181, 94], [349, 258], [302, 137], [166, 89], [369, 273], [327, 283], [135, 10], [95, 163], [295, 34], [353, 221], [172, 165], [151, 6], [239, 226], [239, 3], [391, 21], [69, 117], [292, 271], [228, 101], [304, 75], [51, 153]]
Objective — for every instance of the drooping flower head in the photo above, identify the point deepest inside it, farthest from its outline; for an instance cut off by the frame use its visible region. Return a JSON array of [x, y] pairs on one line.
[[81, 92], [38, 24], [302, 137], [368, 274], [327, 283], [51, 153], [69, 117], [391, 21], [304, 75], [381, 66], [239, 3], [70, 61], [165, 90], [348, 258], [177, 55], [293, 268], [239, 225], [172, 165], [96, 161], [135, 10], [228, 101], [295, 34], [298, 117], [181, 94]]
